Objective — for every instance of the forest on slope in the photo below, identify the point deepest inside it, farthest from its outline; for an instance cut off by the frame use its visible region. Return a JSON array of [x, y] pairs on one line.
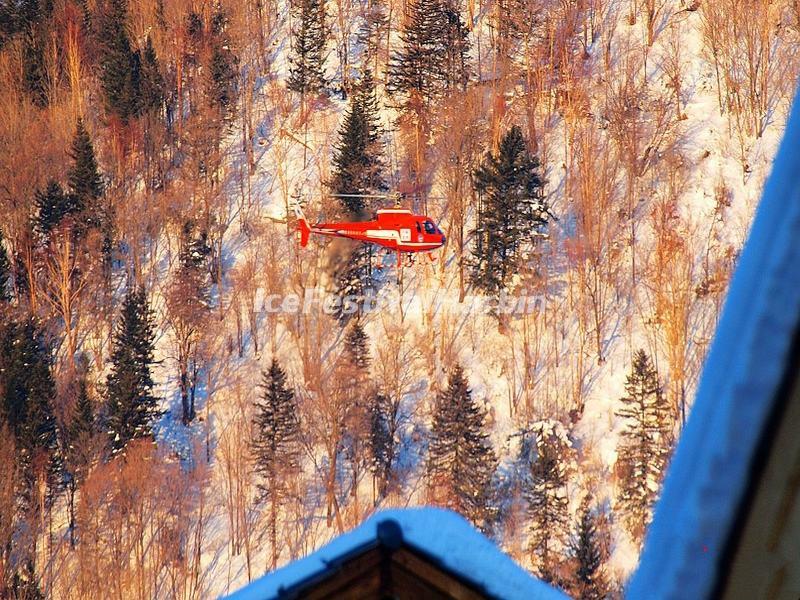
[[172, 425]]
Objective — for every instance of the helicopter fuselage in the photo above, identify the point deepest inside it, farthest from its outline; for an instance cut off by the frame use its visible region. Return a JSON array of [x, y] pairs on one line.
[[393, 228]]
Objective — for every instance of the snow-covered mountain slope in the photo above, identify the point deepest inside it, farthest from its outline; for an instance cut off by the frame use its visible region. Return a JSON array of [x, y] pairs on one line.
[[658, 284], [653, 187]]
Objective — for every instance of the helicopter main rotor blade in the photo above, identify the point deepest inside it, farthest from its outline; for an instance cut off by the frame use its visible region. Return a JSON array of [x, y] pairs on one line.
[[383, 196], [390, 197]]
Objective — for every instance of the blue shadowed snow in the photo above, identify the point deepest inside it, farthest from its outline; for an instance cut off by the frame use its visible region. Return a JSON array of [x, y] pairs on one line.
[[441, 534], [708, 475]]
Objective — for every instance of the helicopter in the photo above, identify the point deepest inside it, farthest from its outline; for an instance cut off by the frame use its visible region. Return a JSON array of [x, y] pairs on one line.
[[397, 229]]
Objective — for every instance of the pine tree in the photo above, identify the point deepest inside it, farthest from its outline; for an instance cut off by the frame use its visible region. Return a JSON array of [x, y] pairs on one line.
[[356, 348], [85, 184], [381, 441], [589, 582], [358, 167], [461, 461], [119, 65], [80, 445], [27, 391], [354, 375], [82, 428], [309, 37], [516, 21], [434, 54], [353, 278], [19, 16], [131, 406], [454, 69], [512, 213], [33, 78], [222, 84], [275, 443], [644, 448], [152, 82], [188, 304], [86, 191], [52, 206], [358, 162], [373, 31], [5, 273], [547, 498]]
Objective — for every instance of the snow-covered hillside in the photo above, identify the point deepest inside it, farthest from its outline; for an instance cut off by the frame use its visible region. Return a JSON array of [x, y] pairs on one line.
[[692, 200], [655, 123], [541, 366]]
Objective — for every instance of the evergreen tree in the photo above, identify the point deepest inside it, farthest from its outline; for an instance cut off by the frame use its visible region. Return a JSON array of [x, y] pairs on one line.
[[454, 69], [381, 441], [356, 388], [86, 191], [188, 303], [82, 428], [461, 461], [8, 25], [27, 392], [356, 348], [119, 65], [222, 84], [309, 37], [373, 31], [21, 16], [644, 448], [131, 406], [547, 498], [358, 167], [5, 273], [353, 278], [152, 82], [33, 77], [80, 446], [53, 205], [358, 163], [589, 581], [83, 177], [275, 443], [512, 213], [433, 58]]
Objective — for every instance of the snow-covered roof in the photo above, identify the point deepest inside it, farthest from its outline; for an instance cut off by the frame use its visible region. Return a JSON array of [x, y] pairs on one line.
[[441, 535], [739, 386]]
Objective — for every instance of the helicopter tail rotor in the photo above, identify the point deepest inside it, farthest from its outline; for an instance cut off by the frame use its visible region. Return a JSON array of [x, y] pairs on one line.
[[304, 229], [302, 225]]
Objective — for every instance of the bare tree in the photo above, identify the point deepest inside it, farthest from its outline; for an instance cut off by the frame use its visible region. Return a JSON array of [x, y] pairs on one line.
[[457, 150], [66, 280]]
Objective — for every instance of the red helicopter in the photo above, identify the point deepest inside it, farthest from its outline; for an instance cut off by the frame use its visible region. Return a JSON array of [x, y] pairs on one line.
[[396, 228]]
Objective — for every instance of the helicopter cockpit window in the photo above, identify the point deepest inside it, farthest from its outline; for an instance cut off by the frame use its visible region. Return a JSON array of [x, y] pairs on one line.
[[430, 227]]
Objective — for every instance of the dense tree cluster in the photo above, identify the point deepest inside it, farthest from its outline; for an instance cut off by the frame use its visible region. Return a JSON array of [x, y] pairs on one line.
[[434, 54], [131, 79]]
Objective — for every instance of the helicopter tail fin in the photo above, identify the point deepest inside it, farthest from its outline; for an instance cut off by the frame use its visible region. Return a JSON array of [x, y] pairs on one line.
[[303, 228]]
